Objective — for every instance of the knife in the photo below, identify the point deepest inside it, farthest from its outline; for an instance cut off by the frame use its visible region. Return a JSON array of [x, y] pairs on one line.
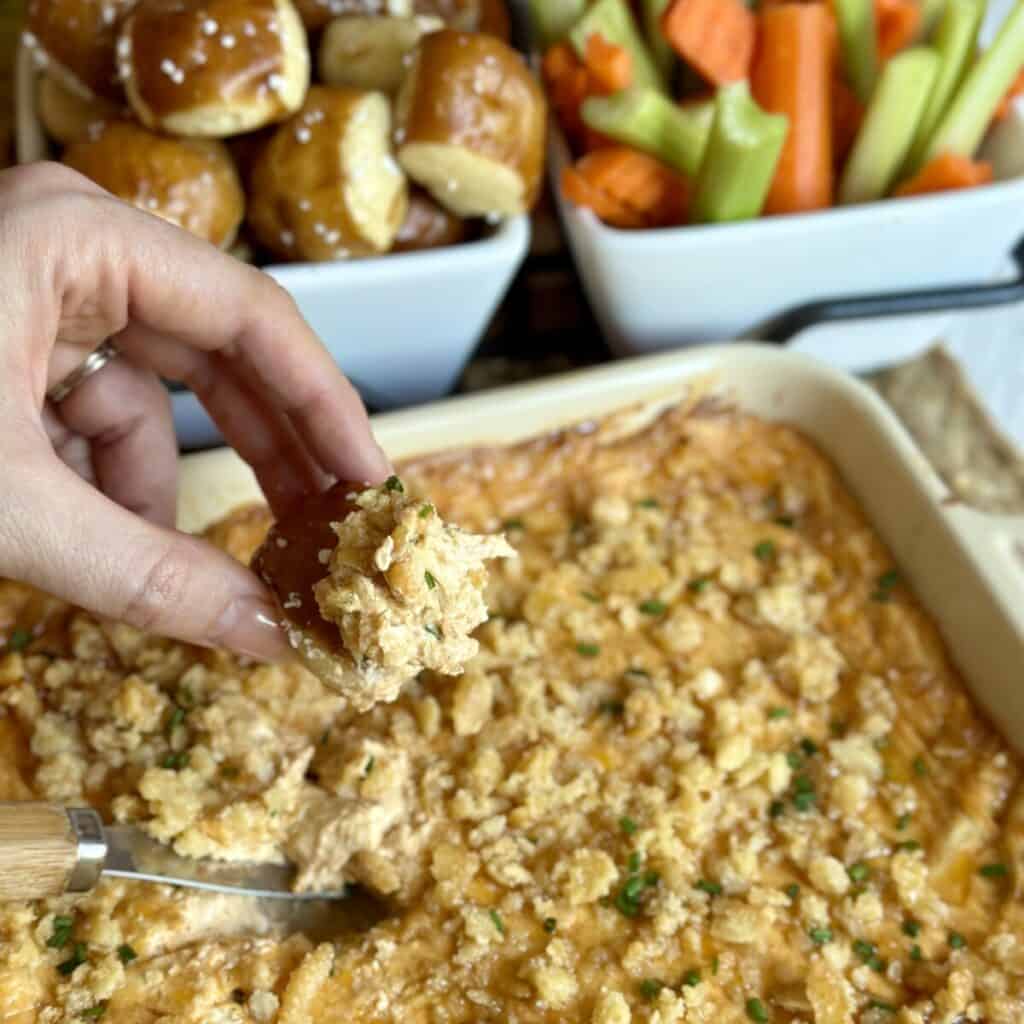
[[48, 850]]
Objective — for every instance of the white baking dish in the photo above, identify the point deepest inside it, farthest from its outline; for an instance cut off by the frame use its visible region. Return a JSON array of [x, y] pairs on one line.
[[402, 326], [661, 289], [967, 567]]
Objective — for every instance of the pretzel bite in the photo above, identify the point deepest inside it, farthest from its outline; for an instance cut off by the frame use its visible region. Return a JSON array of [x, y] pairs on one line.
[[317, 13], [428, 225], [490, 16], [470, 124], [326, 187], [190, 182], [68, 116], [213, 68], [368, 52], [75, 41]]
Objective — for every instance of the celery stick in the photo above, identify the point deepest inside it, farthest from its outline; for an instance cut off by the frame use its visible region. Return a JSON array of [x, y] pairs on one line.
[[889, 124], [650, 121], [955, 40], [614, 21], [552, 19], [663, 54], [964, 124], [739, 162], [858, 38], [931, 14]]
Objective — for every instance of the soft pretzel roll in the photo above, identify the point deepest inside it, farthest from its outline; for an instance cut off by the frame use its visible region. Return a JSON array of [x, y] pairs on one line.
[[75, 40], [317, 13], [428, 225], [213, 68], [490, 16], [67, 116], [370, 51], [189, 182], [326, 186], [470, 123]]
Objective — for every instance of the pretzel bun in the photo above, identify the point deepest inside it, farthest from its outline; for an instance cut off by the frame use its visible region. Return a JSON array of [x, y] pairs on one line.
[[213, 68], [470, 123], [67, 116], [75, 41], [190, 182], [317, 13], [490, 16], [428, 226], [371, 52], [326, 187]]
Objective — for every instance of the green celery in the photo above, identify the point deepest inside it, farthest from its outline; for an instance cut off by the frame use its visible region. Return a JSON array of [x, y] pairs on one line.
[[889, 124], [663, 54], [614, 21], [931, 14], [955, 40], [650, 121], [967, 119], [740, 158], [552, 19], [858, 38]]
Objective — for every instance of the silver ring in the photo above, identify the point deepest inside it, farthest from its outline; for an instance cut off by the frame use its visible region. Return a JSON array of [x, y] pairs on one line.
[[93, 363]]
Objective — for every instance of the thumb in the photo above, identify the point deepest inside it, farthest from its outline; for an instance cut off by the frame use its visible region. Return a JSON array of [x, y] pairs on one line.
[[63, 536]]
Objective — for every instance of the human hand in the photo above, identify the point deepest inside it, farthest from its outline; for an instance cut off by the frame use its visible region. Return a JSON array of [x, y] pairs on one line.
[[88, 489]]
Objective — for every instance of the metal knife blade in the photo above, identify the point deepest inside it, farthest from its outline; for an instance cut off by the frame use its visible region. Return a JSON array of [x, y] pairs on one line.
[[134, 855]]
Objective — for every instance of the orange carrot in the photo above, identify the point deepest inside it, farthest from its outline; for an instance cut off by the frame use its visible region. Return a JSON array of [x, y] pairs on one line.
[[897, 23], [627, 188], [946, 172], [847, 115], [715, 37], [610, 66], [1006, 103], [793, 76], [568, 84]]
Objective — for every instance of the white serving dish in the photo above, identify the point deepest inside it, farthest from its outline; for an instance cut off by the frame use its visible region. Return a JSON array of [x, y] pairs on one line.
[[401, 327], [967, 567], [661, 289]]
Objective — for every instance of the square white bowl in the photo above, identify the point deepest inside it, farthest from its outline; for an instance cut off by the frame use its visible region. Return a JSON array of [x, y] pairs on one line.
[[401, 326]]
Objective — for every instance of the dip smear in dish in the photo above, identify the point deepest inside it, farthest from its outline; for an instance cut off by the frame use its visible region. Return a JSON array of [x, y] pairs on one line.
[[403, 591]]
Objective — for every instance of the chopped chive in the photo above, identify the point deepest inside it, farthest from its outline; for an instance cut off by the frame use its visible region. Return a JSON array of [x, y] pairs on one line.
[[993, 871], [177, 717], [837, 727], [650, 987], [803, 784], [711, 888], [497, 921], [792, 890], [878, 1004], [434, 631], [430, 579], [808, 746], [628, 826], [590, 596], [550, 924], [19, 640], [698, 585], [514, 524], [864, 950], [919, 766], [859, 872], [588, 650], [635, 859], [910, 845], [691, 979], [77, 958], [648, 502], [93, 1012], [62, 928], [176, 761], [653, 607], [794, 760], [915, 952], [885, 585], [902, 821], [126, 954], [804, 801], [756, 1011], [186, 698], [779, 713], [911, 928], [651, 879], [956, 940], [394, 484], [714, 964], [368, 767], [640, 673], [612, 707], [820, 936], [776, 808], [764, 550], [426, 511]]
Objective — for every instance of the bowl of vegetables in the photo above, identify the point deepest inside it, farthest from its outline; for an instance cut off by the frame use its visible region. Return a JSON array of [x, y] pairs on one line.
[[725, 169]]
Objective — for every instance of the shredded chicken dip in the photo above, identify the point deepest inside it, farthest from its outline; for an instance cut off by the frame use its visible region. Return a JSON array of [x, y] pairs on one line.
[[406, 591], [710, 765]]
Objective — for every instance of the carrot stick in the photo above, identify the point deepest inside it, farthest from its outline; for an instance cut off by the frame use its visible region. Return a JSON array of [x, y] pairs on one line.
[[897, 22], [610, 66], [847, 116], [944, 173], [568, 84], [793, 76], [1006, 103], [716, 37], [627, 188]]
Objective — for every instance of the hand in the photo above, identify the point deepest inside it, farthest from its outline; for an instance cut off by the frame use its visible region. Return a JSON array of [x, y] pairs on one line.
[[77, 267]]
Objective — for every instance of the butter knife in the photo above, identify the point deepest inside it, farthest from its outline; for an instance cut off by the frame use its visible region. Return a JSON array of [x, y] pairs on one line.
[[47, 850]]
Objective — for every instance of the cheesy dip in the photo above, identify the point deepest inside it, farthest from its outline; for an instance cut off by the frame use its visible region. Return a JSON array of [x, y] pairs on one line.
[[710, 765]]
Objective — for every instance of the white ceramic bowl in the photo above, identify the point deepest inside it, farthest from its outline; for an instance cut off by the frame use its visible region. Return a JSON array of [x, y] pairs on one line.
[[661, 289], [401, 326]]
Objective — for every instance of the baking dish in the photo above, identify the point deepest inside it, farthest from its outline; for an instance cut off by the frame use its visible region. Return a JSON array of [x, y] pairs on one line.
[[966, 567], [401, 326]]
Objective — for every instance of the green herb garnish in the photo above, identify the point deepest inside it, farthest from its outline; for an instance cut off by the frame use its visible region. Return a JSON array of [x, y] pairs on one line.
[[859, 872], [764, 550], [956, 940], [803, 802], [910, 845], [711, 888], [919, 766], [915, 952], [126, 954], [794, 760], [902, 821], [691, 979], [756, 1011], [19, 640], [653, 607], [650, 987], [774, 713], [612, 707], [808, 746], [394, 484], [550, 924], [993, 871], [792, 890], [820, 936], [786, 521], [887, 582], [698, 585], [62, 928], [94, 1012], [776, 808], [911, 928], [648, 502], [590, 596], [628, 826], [497, 921], [878, 1004], [426, 511], [635, 860], [176, 761], [368, 767], [514, 524], [177, 717], [77, 958], [588, 650], [864, 950], [431, 580]]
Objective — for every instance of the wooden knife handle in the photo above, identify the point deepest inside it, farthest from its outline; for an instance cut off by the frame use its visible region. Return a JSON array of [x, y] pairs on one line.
[[39, 850]]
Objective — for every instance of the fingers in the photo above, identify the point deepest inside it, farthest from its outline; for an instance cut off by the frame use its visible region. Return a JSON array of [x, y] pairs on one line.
[[125, 414], [125, 568]]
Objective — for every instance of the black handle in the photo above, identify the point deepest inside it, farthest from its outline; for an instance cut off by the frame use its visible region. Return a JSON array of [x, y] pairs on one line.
[[787, 325]]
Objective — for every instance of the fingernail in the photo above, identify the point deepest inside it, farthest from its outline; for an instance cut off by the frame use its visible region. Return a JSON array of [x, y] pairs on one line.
[[251, 626]]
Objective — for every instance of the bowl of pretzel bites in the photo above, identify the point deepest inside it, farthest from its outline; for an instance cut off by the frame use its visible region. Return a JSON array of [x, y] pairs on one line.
[[378, 157]]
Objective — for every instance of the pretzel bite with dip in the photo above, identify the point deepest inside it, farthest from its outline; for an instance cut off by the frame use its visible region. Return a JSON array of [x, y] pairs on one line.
[[428, 225], [75, 41], [326, 186], [67, 116], [317, 13], [213, 68], [367, 52], [190, 182], [470, 124]]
